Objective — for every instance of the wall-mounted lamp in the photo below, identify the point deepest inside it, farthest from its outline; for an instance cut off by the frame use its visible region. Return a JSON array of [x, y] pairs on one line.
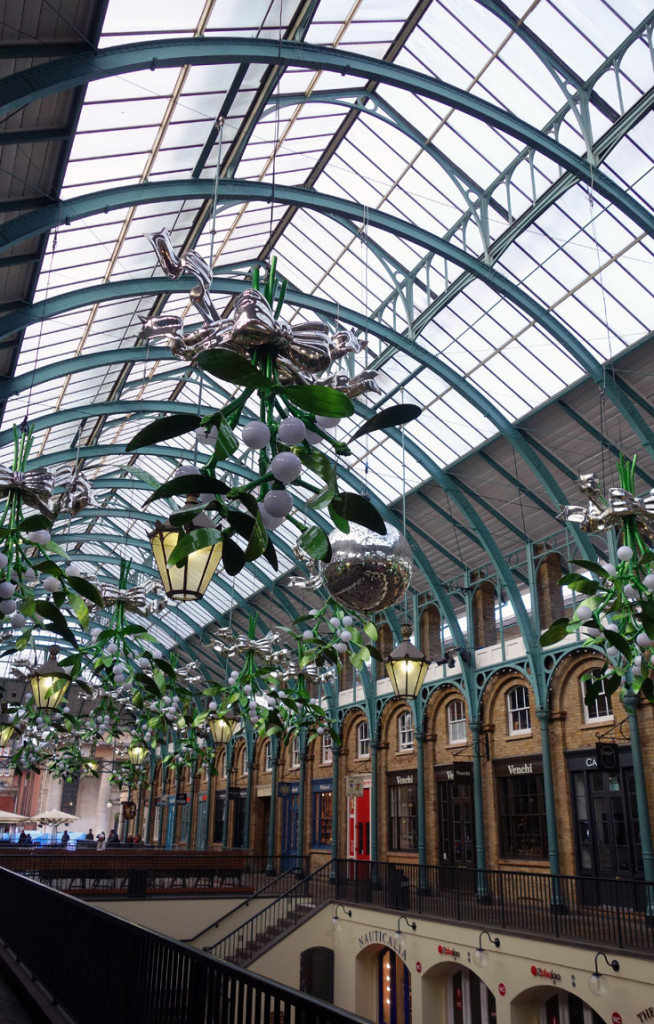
[[479, 955], [110, 803], [595, 983], [411, 924], [346, 910]]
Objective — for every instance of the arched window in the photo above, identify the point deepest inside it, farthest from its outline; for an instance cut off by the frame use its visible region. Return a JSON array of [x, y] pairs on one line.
[[295, 752], [519, 711], [363, 740], [405, 731], [456, 722], [267, 757], [327, 748], [598, 709], [384, 646]]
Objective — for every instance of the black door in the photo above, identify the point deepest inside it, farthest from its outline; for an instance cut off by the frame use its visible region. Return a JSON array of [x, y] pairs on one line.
[[456, 835]]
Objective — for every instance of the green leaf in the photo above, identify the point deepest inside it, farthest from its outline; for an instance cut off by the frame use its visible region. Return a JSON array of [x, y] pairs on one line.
[[357, 509], [580, 584], [80, 609], [227, 442], [86, 589], [241, 522], [316, 543], [647, 617], [163, 429], [319, 399], [557, 631], [258, 541], [271, 555], [370, 629], [338, 521], [195, 540], [142, 475], [190, 484], [55, 549], [58, 624], [614, 639], [233, 557], [233, 368], [593, 567], [323, 498], [394, 417], [35, 522]]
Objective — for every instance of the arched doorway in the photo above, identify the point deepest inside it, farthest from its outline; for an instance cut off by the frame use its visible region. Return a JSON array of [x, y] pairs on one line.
[[470, 1000]]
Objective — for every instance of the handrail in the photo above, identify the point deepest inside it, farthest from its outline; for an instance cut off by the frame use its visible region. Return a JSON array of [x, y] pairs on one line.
[[270, 917], [253, 896], [158, 978]]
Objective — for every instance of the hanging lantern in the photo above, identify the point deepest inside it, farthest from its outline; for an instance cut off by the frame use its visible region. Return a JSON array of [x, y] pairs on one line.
[[368, 571], [6, 732], [406, 666], [49, 683], [136, 753], [189, 580], [222, 729]]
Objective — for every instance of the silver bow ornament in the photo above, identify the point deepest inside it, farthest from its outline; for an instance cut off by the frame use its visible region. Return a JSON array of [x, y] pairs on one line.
[[306, 349], [37, 487], [141, 599], [600, 514]]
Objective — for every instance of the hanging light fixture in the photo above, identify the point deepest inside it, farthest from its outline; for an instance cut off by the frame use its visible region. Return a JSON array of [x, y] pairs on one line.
[[136, 753], [406, 666], [188, 580], [49, 683], [6, 732], [222, 729]]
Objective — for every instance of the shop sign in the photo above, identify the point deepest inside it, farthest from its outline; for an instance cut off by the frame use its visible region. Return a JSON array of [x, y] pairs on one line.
[[288, 788], [513, 768], [322, 785], [544, 972], [353, 786], [181, 798], [462, 773], [501, 988], [647, 1014], [385, 939], [448, 951], [401, 778], [616, 1018]]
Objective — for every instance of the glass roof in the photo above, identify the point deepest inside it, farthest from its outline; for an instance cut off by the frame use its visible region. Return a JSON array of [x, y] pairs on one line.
[[478, 209]]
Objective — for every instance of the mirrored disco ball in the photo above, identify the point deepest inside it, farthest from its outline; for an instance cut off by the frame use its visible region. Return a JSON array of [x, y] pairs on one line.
[[368, 572]]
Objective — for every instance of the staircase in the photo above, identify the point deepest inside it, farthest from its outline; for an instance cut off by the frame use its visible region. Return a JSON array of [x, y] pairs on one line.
[[247, 942]]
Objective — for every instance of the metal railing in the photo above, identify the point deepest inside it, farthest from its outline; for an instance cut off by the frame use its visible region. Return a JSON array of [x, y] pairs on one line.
[[610, 912], [71, 949], [273, 887], [277, 918]]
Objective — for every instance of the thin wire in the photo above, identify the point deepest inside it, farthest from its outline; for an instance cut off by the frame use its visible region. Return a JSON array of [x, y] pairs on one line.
[[220, 123], [55, 237]]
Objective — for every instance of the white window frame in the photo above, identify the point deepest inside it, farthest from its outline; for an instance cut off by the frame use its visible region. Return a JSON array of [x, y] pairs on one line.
[[267, 757], [363, 740], [327, 748], [295, 752], [600, 710], [244, 761], [223, 766], [405, 732], [519, 709], [456, 726]]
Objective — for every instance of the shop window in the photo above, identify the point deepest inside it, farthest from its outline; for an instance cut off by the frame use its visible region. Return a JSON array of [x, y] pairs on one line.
[[363, 740], [321, 819], [394, 989], [405, 731], [295, 752], [456, 722], [267, 757], [521, 805], [519, 711], [403, 830], [599, 710], [327, 748], [219, 817]]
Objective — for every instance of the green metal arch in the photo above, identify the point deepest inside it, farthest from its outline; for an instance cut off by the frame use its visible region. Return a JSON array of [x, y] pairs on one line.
[[121, 289], [237, 191], [26, 86]]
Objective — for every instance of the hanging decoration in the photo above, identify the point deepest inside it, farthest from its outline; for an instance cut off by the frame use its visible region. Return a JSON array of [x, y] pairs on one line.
[[368, 571], [278, 371], [616, 611]]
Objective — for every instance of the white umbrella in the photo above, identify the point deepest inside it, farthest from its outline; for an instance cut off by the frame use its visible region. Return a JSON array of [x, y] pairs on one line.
[[54, 817], [9, 818]]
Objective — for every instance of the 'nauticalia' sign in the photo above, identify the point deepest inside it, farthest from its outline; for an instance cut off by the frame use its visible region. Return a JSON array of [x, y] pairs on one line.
[[385, 938]]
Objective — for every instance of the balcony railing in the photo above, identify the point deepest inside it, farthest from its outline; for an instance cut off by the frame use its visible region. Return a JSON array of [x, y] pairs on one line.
[[98, 967]]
